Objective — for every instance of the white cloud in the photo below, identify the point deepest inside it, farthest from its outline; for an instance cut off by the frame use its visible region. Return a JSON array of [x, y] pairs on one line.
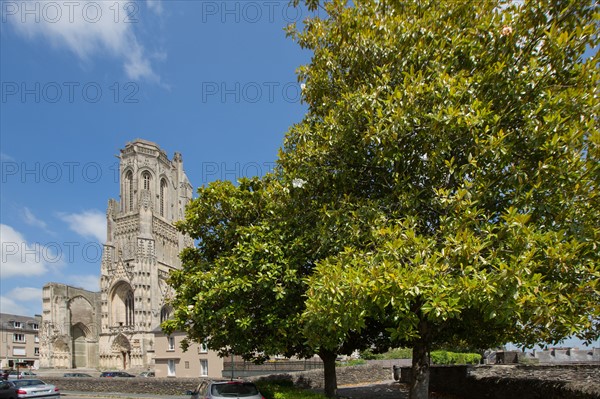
[[89, 224], [87, 28], [155, 5], [27, 294], [20, 258], [5, 157], [90, 282], [9, 305], [25, 301], [32, 220], [138, 66]]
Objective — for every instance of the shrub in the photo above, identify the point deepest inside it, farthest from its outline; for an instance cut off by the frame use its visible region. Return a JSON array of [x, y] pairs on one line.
[[396, 353], [437, 357], [445, 357]]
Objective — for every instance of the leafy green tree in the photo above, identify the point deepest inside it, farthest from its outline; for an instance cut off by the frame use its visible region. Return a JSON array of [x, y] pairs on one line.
[[451, 152], [235, 290], [242, 287]]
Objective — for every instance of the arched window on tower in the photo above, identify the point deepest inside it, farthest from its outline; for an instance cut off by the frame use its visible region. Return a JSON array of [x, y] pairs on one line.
[[163, 189], [129, 188], [129, 308], [165, 313], [122, 305], [146, 179]]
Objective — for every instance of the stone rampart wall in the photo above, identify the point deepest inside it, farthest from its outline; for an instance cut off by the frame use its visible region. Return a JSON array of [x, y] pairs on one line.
[[155, 386], [480, 382], [515, 381], [178, 386], [348, 375]]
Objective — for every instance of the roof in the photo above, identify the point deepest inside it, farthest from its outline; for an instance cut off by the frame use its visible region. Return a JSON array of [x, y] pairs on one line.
[[6, 321]]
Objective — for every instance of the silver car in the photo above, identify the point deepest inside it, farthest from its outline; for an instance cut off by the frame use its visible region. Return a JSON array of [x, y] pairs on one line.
[[31, 388], [226, 389], [14, 374]]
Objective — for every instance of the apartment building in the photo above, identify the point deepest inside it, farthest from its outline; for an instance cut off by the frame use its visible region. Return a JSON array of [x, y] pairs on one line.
[[19, 341], [172, 361]]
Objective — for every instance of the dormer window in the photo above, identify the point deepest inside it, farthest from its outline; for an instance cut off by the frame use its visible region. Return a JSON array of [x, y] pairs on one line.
[[17, 324]]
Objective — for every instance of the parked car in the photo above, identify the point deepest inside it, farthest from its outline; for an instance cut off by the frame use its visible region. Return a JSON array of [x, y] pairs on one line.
[[76, 375], [147, 374], [116, 374], [14, 374], [7, 390], [226, 389], [32, 388]]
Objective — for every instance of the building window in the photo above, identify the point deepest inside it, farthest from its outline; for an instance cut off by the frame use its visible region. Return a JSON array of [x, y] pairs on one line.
[[203, 348], [129, 309], [146, 180], [122, 305], [129, 184], [171, 343], [18, 337], [19, 351], [36, 338], [17, 324], [187, 365], [171, 368], [165, 313], [163, 188], [35, 326], [36, 351], [203, 368]]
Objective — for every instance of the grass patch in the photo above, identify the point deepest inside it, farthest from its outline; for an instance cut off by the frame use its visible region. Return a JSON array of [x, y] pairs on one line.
[[285, 390], [396, 353]]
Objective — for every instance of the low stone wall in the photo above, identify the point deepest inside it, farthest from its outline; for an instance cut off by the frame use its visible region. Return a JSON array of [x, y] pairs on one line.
[[178, 386], [348, 375], [515, 381], [466, 382], [155, 386], [549, 356]]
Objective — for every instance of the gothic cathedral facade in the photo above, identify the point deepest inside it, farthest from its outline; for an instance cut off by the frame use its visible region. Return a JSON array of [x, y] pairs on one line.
[[114, 328]]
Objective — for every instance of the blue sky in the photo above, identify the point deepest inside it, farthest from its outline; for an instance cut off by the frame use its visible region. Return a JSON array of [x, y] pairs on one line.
[[214, 80]]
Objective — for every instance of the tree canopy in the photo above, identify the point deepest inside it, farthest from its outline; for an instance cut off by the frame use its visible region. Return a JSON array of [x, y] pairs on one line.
[[442, 186], [242, 287], [468, 133]]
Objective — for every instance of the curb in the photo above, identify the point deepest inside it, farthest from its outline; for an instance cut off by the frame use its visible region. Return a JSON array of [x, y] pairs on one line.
[[121, 395]]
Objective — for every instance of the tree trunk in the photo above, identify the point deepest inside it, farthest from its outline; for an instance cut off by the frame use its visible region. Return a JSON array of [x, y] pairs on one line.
[[419, 380], [328, 358]]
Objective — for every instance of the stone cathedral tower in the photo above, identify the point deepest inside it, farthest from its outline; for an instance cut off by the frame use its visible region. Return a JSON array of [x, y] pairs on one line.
[[142, 246], [113, 329]]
